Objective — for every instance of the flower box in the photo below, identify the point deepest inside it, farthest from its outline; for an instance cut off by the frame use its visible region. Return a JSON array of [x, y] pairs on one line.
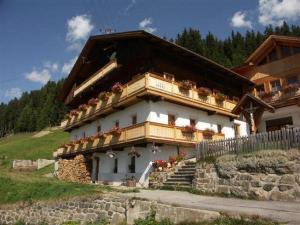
[[290, 88], [202, 91], [220, 97], [208, 132], [115, 131], [189, 129], [117, 88], [104, 96], [83, 107], [186, 84], [74, 112], [93, 101]]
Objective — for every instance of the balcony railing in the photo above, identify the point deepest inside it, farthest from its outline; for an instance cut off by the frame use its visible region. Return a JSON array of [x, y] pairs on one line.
[[152, 132], [150, 84]]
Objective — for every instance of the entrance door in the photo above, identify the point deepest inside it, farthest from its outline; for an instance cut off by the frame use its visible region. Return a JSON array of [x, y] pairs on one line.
[[97, 166]]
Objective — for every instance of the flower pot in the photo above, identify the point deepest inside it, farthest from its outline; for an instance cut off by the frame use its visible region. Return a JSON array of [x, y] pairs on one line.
[[131, 183]]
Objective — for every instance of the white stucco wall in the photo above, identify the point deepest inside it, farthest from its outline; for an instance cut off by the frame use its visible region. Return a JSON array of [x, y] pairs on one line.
[[293, 111], [158, 112], [143, 163]]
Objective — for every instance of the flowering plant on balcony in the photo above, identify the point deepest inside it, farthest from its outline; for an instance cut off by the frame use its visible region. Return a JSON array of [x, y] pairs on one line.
[[290, 88], [208, 132], [189, 129], [100, 135], [104, 96], [117, 88], [72, 144], [83, 107], [186, 84], [203, 91], [93, 101], [83, 140], [74, 112], [220, 97], [115, 131]]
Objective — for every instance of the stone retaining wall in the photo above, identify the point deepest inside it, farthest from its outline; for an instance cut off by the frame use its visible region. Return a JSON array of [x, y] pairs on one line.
[[265, 175], [115, 209]]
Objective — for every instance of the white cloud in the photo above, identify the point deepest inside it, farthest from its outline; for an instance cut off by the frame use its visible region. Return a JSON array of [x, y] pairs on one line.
[[39, 76], [53, 67], [275, 12], [13, 93], [239, 20], [79, 28], [129, 6], [66, 68], [145, 24]]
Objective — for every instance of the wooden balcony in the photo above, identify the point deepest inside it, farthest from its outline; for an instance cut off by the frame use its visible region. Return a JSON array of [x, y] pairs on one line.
[[140, 133], [150, 84]]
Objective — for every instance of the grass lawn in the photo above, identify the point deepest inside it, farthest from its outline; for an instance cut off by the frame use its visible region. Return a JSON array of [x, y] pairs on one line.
[[30, 186]]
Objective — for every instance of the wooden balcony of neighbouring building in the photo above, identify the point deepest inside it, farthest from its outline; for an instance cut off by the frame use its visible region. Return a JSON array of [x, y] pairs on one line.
[[149, 86], [147, 132], [288, 95]]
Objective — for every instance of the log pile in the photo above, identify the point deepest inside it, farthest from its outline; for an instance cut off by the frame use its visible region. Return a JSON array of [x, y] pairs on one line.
[[74, 170]]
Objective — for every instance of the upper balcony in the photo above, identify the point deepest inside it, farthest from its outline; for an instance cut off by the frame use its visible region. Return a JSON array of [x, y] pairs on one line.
[[136, 134], [156, 87]]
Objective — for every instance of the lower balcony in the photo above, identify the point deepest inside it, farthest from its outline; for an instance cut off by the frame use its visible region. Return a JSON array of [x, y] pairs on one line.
[[140, 133]]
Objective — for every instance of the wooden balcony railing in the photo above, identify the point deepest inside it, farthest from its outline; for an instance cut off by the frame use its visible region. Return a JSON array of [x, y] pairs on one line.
[[150, 84], [147, 131], [279, 96]]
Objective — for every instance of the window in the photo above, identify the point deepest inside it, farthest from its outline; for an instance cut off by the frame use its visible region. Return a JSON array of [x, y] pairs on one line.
[[237, 130], [117, 123], [273, 55], [98, 128], [275, 85], [285, 51], [292, 80], [171, 120], [132, 165], [116, 166], [260, 88], [219, 128], [192, 122], [134, 119]]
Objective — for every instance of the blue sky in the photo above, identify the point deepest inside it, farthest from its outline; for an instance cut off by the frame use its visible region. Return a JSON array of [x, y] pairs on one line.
[[40, 40]]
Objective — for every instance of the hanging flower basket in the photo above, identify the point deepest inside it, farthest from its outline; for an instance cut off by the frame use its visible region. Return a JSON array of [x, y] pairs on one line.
[[203, 91], [104, 96], [83, 107], [290, 88], [189, 129], [93, 101], [220, 97], [117, 88], [186, 84], [208, 132], [134, 153], [115, 131], [74, 112]]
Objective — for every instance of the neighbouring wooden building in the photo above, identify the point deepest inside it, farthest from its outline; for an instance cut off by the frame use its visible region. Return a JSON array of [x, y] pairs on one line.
[[136, 98], [275, 69]]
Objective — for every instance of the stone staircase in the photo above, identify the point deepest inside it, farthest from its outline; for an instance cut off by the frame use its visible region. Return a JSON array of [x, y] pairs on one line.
[[183, 176]]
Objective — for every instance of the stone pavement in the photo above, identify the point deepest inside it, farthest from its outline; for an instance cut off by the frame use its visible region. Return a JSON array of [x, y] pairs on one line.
[[288, 212]]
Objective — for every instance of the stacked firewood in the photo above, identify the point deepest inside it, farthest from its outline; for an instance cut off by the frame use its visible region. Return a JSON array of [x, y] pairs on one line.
[[74, 170]]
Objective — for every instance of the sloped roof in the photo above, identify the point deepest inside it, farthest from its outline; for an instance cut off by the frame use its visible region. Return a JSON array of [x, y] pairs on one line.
[[150, 37], [268, 43]]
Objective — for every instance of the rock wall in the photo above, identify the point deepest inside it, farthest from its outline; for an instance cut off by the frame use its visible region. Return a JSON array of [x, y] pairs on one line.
[[115, 209], [265, 175], [75, 170]]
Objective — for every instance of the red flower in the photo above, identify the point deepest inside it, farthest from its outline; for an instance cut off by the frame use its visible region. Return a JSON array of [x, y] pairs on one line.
[[117, 88]]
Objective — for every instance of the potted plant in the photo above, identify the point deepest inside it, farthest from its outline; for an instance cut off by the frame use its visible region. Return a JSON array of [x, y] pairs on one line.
[[130, 181], [159, 165], [181, 156], [83, 107], [189, 129], [93, 101], [115, 131], [74, 112], [203, 91], [186, 84], [104, 96], [220, 97], [117, 88], [208, 132]]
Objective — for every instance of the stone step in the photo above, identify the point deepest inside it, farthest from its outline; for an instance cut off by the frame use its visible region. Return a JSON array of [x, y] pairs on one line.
[[188, 167], [188, 179], [188, 173], [171, 183], [181, 175]]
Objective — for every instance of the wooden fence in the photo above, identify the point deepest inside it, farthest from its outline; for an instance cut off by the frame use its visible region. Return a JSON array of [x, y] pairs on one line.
[[284, 139]]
